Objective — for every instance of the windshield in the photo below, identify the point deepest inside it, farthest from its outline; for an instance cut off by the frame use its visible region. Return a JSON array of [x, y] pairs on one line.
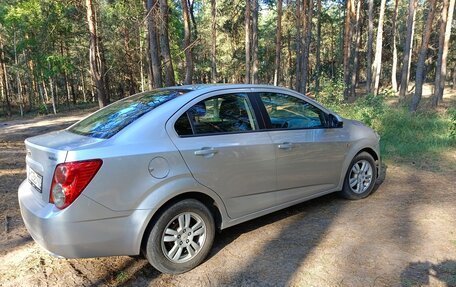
[[108, 121]]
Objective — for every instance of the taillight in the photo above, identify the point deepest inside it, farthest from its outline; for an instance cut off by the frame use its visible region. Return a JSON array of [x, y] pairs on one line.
[[70, 179]]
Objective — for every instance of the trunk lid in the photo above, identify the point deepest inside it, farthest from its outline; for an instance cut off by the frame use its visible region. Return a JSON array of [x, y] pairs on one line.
[[45, 152]]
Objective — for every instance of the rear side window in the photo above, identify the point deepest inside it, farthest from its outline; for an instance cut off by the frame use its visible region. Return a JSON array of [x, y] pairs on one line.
[[220, 114], [108, 121], [183, 126]]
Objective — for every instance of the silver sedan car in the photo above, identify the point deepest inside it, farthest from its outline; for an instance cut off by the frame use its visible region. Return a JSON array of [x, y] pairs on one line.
[[159, 172]]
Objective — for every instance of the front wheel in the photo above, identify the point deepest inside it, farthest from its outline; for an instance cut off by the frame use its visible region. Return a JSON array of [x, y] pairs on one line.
[[181, 238], [360, 177]]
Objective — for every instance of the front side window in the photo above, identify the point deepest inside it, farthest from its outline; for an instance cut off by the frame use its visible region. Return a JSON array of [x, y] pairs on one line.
[[289, 112], [108, 121], [220, 114]]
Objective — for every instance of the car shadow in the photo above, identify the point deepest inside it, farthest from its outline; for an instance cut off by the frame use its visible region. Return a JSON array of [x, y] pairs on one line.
[[304, 226], [423, 273], [282, 256], [13, 244]]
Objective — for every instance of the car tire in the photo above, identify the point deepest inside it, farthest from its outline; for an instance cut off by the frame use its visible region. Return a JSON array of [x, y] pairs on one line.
[[360, 177], [184, 228]]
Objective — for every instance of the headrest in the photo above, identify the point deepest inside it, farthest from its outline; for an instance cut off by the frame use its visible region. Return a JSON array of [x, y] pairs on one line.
[[229, 108], [199, 109]]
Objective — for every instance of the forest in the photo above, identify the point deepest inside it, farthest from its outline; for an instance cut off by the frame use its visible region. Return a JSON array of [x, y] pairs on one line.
[[56, 54], [390, 64]]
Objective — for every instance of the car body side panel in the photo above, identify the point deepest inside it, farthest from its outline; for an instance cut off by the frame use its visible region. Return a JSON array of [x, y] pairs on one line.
[[125, 180], [312, 164]]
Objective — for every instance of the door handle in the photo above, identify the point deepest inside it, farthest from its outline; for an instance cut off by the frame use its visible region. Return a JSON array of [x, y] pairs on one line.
[[285, 145], [205, 151]]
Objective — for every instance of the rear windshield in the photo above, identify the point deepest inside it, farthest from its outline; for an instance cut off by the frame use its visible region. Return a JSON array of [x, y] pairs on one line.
[[108, 121]]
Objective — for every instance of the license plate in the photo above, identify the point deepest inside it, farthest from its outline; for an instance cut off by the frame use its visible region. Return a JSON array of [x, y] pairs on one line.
[[35, 179]]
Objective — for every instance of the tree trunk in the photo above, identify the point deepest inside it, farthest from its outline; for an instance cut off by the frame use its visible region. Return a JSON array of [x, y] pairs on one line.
[[18, 79], [444, 40], [411, 49], [454, 77], [349, 15], [96, 65], [65, 79], [354, 51], [47, 96], [420, 66], [4, 80], [34, 84], [370, 40], [67, 89], [214, 42], [360, 46], [84, 95], [407, 50], [300, 86], [154, 50], [150, 74], [255, 63], [164, 44], [317, 52], [290, 61], [248, 28], [299, 37], [187, 42], [378, 49], [51, 86], [129, 74], [278, 47], [305, 55], [394, 65], [141, 59]]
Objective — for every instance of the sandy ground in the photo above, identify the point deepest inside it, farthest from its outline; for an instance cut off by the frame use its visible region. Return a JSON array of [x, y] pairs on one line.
[[402, 235]]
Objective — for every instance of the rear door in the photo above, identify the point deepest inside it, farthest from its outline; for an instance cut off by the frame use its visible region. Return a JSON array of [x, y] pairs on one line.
[[218, 136], [309, 154]]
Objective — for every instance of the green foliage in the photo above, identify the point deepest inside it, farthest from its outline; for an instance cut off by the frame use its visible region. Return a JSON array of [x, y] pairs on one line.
[[332, 92], [452, 117], [420, 137], [42, 109]]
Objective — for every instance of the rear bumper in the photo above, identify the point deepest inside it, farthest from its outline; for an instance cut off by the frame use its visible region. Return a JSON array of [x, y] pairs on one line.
[[84, 229]]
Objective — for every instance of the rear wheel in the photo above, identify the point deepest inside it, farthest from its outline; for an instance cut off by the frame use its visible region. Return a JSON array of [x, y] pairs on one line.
[[181, 238], [360, 177]]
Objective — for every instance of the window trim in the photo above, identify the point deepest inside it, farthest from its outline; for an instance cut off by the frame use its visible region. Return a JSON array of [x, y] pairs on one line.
[[259, 109], [268, 123]]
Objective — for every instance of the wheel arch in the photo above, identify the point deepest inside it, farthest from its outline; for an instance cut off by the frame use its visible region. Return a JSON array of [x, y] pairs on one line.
[[364, 146], [207, 200], [370, 151]]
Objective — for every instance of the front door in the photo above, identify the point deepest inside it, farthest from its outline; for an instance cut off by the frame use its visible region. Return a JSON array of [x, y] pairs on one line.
[[309, 155]]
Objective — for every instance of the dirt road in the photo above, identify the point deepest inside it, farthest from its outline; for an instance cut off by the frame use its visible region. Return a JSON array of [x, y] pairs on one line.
[[402, 235]]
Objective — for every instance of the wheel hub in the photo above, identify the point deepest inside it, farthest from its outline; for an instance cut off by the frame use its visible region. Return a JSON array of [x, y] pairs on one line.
[[360, 177], [183, 237]]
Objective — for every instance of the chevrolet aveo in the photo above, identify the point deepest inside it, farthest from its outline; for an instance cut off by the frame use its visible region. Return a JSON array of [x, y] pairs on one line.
[[159, 172]]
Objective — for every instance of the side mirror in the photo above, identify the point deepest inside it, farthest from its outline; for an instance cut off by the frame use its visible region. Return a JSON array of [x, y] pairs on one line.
[[334, 121]]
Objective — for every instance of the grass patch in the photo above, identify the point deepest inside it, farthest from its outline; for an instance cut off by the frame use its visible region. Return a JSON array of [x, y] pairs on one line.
[[425, 138]]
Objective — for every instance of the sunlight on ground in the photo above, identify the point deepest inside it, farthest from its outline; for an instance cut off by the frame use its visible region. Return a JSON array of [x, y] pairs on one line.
[[44, 123]]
